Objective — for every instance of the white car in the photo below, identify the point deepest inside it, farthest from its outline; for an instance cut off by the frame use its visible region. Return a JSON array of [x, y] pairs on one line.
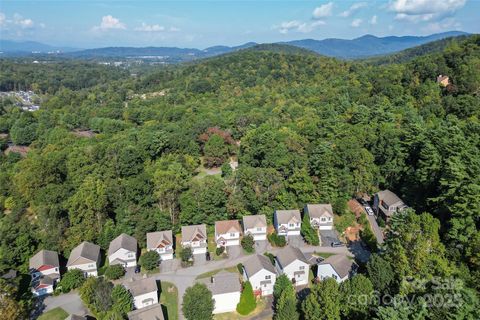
[[369, 211]]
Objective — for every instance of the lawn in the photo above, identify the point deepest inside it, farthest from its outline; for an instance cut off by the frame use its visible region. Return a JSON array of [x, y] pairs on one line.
[[261, 304], [169, 300], [54, 314], [213, 272], [324, 255]]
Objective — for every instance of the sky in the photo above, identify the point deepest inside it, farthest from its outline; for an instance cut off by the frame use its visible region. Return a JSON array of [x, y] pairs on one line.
[[200, 24]]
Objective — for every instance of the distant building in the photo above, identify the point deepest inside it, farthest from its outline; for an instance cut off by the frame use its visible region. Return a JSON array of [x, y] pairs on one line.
[[195, 237], [85, 257], [143, 291], [443, 80], [44, 268], [123, 251], [256, 226], [226, 289], [291, 262], [287, 222], [261, 273], [162, 243], [227, 233], [321, 216], [338, 267], [386, 204]]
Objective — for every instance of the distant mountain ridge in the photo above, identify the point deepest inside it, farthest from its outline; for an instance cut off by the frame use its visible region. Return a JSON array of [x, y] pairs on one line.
[[362, 47]]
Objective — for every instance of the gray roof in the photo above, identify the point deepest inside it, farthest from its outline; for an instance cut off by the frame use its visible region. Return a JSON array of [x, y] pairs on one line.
[[257, 221], [123, 241], [44, 258], [194, 233], [285, 216], [340, 263], [153, 312], [223, 282], [319, 210], [289, 254], [389, 197], [257, 263], [84, 253], [159, 239], [141, 286]]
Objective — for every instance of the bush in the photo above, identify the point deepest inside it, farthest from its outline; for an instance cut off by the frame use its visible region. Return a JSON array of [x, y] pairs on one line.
[[114, 272], [276, 240], [309, 234], [186, 254], [226, 170], [270, 256], [220, 250], [344, 221], [247, 300], [149, 260], [248, 243], [369, 238], [281, 284], [381, 222], [73, 279], [240, 268]]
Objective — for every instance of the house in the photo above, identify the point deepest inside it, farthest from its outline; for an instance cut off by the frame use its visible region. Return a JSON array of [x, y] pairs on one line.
[[443, 80], [45, 271], [143, 291], [153, 312], [320, 215], [287, 222], [227, 233], [85, 257], [195, 237], [255, 226], [338, 266], [386, 204], [261, 274], [291, 262], [226, 289], [162, 243], [123, 251]]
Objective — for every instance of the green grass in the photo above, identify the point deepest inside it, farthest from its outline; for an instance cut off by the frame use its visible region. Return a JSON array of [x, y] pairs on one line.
[[324, 255], [261, 304], [213, 272], [54, 314], [169, 300]]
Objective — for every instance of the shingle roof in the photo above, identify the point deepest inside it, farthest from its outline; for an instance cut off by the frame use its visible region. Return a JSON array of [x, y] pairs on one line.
[[153, 312], [159, 239], [388, 197], [194, 233], [257, 221], [340, 263], [44, 258], [257, 263], [123, 241], [227, 226], [319, 210], [223, 282], [86, 250], [142, 286], [289, 254], [285, 216]]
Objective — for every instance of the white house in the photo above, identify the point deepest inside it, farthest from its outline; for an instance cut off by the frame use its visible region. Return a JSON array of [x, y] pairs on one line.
[[291, 262], [287, 222], [227, 233], [255, 226], [226, 289], [85, 257], [337, 266], [45, 271], [320, 215], [261, 274], [162, 243], [153, 312], [123, 251], [144, 292], [195, 237]]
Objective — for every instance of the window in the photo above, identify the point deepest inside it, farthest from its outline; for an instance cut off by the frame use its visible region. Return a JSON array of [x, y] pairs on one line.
[[323, 219], [232, 235], [329, 218], [302, 268], [90, 265], [259, 229], [268, 277], [334, 277], [291, 225]]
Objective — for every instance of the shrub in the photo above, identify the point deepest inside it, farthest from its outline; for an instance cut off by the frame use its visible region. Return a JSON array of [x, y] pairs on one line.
[[276, 240], [114, 272], [369, 238], [247, 300], [240, 268], [149, 260], [309, 234], [270, 256], [226, 170], [344, 221], [220, 250], [281, 284], [248, 243], [73, 279], [186, 254]]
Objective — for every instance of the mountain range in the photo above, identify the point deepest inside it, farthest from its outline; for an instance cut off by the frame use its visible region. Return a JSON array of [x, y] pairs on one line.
[[362, 47]]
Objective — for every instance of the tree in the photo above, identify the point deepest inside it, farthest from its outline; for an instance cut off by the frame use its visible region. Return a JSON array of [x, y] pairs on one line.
[[247, 300], [114, 272], [149, 260], [281, 283], [198, 303], [323, 302], [96, 293], [309, 234], [24, 130], [248, 243], [72, 279], [10, 307], [380, 273], [215, 151], [186, 254], [357, 296], [122, 300], [286, 305]]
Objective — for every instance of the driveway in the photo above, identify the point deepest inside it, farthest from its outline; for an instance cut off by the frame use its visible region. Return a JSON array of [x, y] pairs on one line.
[[70, 302], [296, 241], [375, 228], [169, 265], [262, 246], [199, 259], [327, 237], [234, 252]]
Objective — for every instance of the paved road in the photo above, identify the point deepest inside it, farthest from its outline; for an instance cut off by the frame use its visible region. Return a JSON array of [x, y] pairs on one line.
[[376, 229], [70, 302]]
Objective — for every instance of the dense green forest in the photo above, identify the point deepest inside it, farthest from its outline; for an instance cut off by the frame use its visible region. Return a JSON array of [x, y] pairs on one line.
[[304, 128]]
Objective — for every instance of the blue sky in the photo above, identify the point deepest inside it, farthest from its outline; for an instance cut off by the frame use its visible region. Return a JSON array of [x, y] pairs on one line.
[[200, 24]]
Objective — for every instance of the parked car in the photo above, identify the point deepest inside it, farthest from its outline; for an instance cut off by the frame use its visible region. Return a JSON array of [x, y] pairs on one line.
[[137, 269], [337, 244], [369, 211]]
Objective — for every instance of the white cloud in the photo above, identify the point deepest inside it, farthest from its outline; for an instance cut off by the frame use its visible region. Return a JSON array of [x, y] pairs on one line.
[[3, 19], [373, 20], [150, 28], [441, 26], [174, 29], [353, 8], [325, 10], [298, 26], [424, 10], [356, 23], [109, 22], [21, 22]]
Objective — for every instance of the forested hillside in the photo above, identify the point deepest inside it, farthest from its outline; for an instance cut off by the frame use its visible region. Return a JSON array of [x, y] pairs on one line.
[[304, 128]]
